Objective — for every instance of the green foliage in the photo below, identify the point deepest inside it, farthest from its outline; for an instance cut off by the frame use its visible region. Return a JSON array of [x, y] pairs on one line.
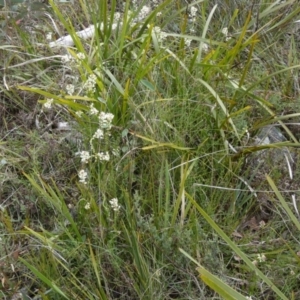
[[134, 166]]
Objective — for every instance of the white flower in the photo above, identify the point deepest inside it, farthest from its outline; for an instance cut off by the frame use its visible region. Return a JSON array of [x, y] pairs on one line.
[[49, 36], [193, 11], [93, 110], [248, 297], [144, 12], [262, 224], [255, 262], [225, 31], [292, 272], [103, 156], [114, 204], [187, 42], [114, 26], [117, 16], [84, 155], [82, 174], [193, 14], [105, 120], [99, 134], [70, 89], [66, 58], [48, 103], [80, 56], [205, 47], [261, 257], [90, 83], [160, 35], [79, 113], [87, 206]]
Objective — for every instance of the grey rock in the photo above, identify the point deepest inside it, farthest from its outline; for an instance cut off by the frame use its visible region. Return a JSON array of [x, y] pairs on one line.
[[268, 135]]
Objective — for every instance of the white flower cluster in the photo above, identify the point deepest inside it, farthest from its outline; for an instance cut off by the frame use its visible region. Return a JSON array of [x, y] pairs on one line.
[[193, 20], [260, 258], [225, 32], [90, 83], [75, 61], [49, 36], [105, 120], [117, 16], [93, 111], [79, 113], [80, 56], [82, 174], [160, 35], [48, 103], [70, 89], [105, 124], [205, 47], [66, 58], [143, 13], [99, 134], [103, 156], [84, 155], [193, 13], [114, 203], [187, 42]]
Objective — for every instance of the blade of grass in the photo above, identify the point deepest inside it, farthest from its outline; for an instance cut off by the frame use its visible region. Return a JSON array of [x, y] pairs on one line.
[[56, 200], [205, 29], [43, 278], [215, 283], [283, 202], [97, 273], [235, 248]]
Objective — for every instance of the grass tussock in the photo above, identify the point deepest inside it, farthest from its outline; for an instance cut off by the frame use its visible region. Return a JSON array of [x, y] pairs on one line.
[[130, 166]]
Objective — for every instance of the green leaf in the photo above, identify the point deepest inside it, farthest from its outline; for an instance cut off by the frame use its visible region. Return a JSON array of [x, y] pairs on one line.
[[43, 278], [148, 84]]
